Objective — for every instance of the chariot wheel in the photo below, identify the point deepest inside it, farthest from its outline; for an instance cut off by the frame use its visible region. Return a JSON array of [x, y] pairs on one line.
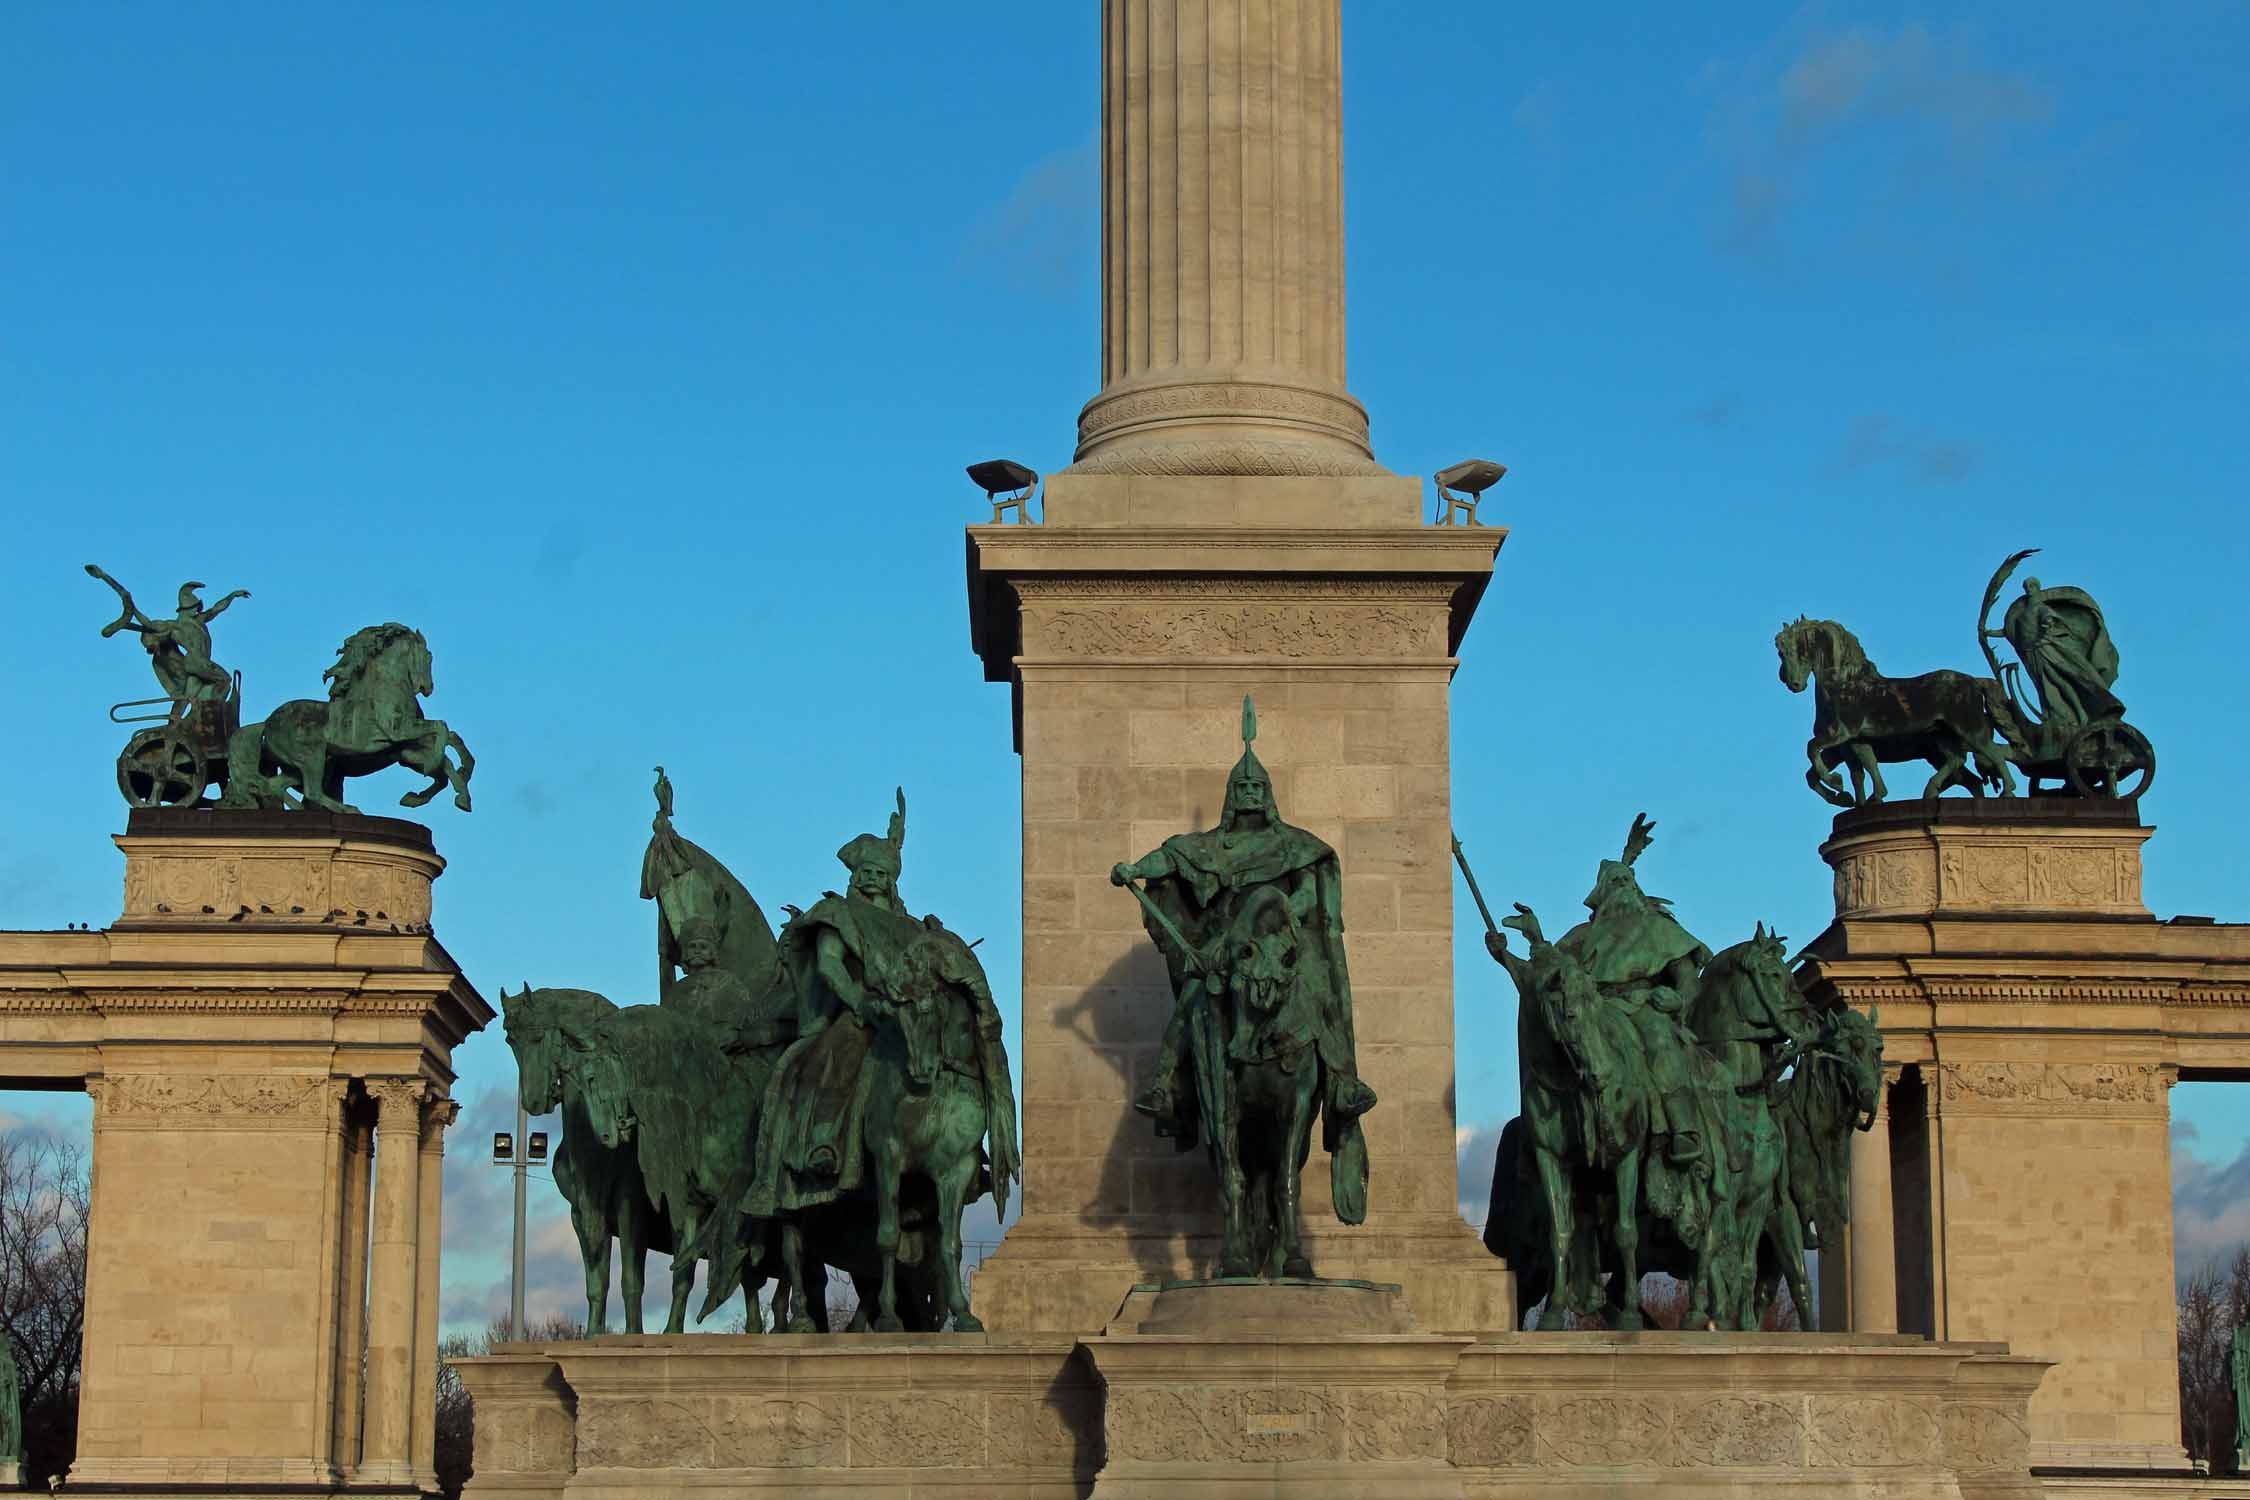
[[2109, 759], [160, 768]]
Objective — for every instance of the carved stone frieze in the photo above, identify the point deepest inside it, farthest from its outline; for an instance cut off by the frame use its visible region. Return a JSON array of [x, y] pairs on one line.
[[923, 1430], [756, 1432], [1219, 631], [1396, 1425], [216, 1101], [1979, 1437], [1968, 870], [2051, 1088], [514, 1438], [1608, 1430], [167, 881], [1868, 1432], [1490, 1432], [1737, 1431], [644, 1434]]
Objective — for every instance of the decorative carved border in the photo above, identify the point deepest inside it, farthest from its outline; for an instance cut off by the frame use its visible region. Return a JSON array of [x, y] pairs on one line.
[[301, 888], [1206, 632], [1420, 588], [2011, 1088], [225, 1101]]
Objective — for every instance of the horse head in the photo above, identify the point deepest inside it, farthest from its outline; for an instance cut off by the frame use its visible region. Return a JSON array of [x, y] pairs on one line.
[[1792, 643], [1856, 1043], [385, 658], [1747, 994], [534, 1037], [605, 1086]]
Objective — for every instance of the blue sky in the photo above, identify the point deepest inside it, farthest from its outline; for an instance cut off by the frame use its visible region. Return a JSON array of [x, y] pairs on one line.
[[633, 354]]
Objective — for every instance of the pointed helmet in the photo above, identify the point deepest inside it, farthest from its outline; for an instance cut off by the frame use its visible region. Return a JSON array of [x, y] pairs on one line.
[[887, 851], [1249, 788]]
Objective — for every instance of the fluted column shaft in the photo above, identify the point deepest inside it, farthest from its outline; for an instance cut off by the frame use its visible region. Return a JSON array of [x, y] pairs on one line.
[[429, 1233], [1222, 243], [351, 1292], [393, 1290]]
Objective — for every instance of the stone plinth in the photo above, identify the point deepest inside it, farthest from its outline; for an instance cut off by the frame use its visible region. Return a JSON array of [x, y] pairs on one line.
[[1183, 1416], [2035, 1017], [1236, 1306], [1130, 636], [267, 1036], [623, 1418]]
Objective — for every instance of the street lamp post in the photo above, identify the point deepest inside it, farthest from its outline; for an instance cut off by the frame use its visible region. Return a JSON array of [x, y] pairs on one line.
[[519, 1151]]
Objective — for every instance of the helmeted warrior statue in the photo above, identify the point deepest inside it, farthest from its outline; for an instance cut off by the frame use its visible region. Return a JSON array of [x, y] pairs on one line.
[[714, 950], [179, 649], [1249, 917], [1643, 961], [850, 955]]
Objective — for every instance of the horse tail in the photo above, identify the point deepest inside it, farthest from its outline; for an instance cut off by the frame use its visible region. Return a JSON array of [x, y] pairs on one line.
[[1504, 1205], [247, 785]]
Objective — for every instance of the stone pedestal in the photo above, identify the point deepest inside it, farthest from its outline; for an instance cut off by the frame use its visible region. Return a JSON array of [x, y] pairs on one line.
[[2035, 1016], [272, 977], [1130, 626], [1242, 1410]]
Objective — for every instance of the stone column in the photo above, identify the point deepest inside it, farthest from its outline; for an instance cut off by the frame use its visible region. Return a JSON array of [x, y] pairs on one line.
[[429, 1223], [1873, 1255], [1222, 243], [393, 1284], [351, 1283]]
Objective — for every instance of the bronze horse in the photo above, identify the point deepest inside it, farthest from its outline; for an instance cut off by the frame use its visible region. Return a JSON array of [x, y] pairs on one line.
[[1862, 718]]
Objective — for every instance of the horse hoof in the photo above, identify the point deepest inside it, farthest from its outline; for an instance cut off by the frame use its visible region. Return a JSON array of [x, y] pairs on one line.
[[461, 800], [889, 1325], [802, 1324], [1297, 1268], [967, 1322]]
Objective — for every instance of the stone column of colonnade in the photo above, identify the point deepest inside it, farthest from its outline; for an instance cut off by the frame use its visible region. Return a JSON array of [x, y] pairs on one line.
[[386, 1455], [429, 1233], [351, 1285], [1872, 1249]]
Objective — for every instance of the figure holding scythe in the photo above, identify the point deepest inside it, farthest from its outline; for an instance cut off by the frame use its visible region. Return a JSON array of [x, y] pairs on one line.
[[179, 649]]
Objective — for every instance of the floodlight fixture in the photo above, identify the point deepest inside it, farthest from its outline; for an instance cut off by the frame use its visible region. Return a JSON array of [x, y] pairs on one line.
[[1469, 478], [538, 1151], [999, 477], [503, 1149]]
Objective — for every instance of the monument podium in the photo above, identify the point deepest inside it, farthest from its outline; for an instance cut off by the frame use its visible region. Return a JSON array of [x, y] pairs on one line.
[[266, 1032], [2035, 1016], [1225, 532]]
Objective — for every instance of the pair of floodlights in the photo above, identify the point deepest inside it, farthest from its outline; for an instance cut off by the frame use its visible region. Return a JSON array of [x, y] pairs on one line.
[[1008, 485], [504, 1149]]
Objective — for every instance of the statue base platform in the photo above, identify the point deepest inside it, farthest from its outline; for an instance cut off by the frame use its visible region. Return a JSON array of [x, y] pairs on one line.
[[11, 1474], [1305, 1306], [1253, 1404]]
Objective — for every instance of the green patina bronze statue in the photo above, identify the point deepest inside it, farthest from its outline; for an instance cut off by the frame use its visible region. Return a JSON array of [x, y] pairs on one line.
[[304, 750], [823, 1100], [11, 1405], [1249, 918], [1683, 1111], [2070, 730], [184, 754]]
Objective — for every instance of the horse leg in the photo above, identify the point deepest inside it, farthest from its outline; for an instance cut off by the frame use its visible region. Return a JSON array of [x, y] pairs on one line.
[[1234, 1254], [885, 1181], [427, 756], [1863, 759], [1554, 1184], [1948, 763], [593, 1253], [793, 1263], [683, 1273], [632, 1249], [953, 1187], [459, 774], [1629, 1242]]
